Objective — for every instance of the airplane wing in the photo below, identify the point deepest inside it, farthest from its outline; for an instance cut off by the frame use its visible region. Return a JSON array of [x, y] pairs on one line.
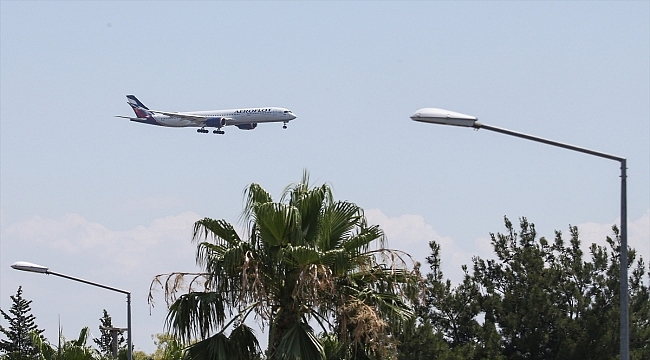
[[198, 119]]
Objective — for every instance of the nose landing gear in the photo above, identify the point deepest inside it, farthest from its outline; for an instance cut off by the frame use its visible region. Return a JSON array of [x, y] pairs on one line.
[[285, 125]]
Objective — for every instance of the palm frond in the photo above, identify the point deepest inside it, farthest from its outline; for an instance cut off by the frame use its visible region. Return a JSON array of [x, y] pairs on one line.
[[389, 304], [339, 260], [300, 343], [83, 336], [338, 222], [240, 345], [253, 196], [173, 283], [314, 284], [196, 314], [45, 350], [293, 192], [217, 347], [311, 207], [360, 243], [217, 229], [278, 224], [365, 330], [244, 343], [300, 256]]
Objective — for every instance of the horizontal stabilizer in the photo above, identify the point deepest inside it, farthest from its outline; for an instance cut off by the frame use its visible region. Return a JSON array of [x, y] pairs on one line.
[[128, 117]]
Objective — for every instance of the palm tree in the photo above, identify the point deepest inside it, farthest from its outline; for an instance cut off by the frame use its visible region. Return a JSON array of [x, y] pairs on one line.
[[306, 259], [67, 349]]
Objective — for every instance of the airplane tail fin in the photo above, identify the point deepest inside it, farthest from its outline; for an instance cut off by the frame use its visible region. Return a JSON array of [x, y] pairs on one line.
[[140, 110]]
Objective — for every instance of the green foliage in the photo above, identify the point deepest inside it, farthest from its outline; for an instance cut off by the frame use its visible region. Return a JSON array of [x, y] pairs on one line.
[[306, 257], [536, 300], [66, 349], [167, 348], [422, 342], [19, 344], [137, 355], [105, 341], [299, 343], [332, 348], [240, 345]]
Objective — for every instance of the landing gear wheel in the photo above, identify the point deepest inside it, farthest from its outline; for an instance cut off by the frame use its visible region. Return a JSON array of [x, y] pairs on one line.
[[284, 126]]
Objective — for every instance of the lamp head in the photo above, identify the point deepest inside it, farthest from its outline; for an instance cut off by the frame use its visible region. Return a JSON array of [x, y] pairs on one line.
[[444, 117], [27, 266]]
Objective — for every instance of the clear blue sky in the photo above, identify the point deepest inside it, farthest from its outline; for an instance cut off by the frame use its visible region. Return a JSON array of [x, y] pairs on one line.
[[102, 198]]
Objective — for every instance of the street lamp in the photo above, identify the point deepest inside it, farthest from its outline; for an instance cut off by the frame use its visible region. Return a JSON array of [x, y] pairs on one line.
[[27, 266], [446, 117]]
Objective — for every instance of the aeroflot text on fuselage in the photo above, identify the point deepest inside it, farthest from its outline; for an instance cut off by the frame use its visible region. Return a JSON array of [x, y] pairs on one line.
[[252, 111], [244, 119]]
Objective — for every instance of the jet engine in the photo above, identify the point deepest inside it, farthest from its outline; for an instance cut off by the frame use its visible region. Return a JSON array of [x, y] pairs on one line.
[[218, 122], [250, 126]]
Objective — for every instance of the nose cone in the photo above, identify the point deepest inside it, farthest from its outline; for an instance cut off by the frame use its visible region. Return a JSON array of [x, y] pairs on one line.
[[442, 116], [292, 116]]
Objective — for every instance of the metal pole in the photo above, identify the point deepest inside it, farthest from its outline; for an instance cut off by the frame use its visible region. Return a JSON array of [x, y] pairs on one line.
[[128, 320], [87, 282], [128, 302], [624, 299], [625, 326], [114, 338], [478, 125]]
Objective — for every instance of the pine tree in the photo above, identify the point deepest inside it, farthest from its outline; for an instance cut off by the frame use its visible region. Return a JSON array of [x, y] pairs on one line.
[[105, 341], [21, 324]]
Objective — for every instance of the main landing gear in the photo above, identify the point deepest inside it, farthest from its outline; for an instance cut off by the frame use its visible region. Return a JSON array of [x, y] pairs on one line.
[[205, 131], [285, 125]]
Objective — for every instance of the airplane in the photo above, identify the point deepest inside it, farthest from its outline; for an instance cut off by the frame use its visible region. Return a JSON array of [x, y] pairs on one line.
[[245, 119]]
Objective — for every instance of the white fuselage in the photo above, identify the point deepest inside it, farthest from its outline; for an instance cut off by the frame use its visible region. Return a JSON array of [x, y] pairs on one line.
[[232, 116]]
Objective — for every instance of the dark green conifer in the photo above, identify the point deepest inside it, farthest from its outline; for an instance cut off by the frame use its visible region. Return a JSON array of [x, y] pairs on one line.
[[105, 341], [21, 323]]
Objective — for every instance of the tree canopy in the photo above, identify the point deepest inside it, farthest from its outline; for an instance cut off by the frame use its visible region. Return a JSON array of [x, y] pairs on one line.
[[537, 299], [67, 349], [21, 325], [304, 260], [105, 342]]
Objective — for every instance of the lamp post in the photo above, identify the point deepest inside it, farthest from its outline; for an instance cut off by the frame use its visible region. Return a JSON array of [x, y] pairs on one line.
[[446, 117], [26, 266]]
